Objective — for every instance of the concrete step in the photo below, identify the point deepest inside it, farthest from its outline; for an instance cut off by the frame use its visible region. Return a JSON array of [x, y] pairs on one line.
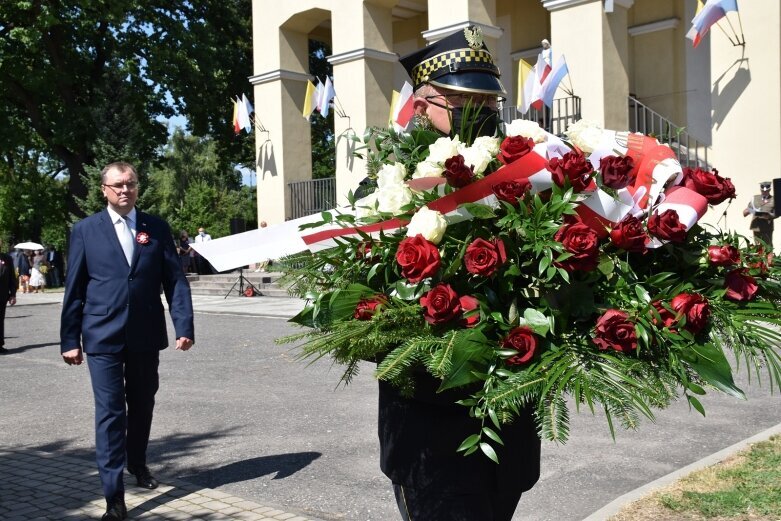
[[221, 283]]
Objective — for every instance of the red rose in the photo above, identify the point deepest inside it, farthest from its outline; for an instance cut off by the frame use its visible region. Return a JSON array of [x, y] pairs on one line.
[[667, 317], [740, 285], [573, 167], [511, 191], [469, 303], [484, 257], [457, 173], [629, 235], [726, 255], [418, 258], [710, 185], [523, 340], [368, 307], [615, 331], [616, 171], [441, 304], [667, 226], [694, 307], [514, 148], [582, 242]]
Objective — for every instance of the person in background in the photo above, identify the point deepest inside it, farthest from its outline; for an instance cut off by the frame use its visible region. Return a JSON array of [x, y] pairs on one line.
[[8, 285], [762, 209], [262, 266], [118, 260], [54, 275], [204, 268], [24, 272], [38, 271], [184, 250]]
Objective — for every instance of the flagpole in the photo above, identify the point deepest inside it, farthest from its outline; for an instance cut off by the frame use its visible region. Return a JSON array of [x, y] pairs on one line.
[[718, 24], [742, 34], [733, 30]]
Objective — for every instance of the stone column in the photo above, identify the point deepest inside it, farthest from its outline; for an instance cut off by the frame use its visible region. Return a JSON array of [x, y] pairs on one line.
[[596, 46], [281, 65], [363, 64]]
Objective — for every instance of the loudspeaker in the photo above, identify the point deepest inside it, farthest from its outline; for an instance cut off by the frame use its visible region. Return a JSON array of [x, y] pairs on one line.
[[238, 226]]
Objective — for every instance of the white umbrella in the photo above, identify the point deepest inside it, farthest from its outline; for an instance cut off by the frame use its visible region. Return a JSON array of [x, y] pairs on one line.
[[28, 246]]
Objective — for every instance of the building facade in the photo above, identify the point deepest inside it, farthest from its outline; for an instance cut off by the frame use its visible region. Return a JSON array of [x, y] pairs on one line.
[[627, 59]]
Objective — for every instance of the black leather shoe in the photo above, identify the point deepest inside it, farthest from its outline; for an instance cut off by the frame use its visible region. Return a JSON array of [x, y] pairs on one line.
[[115, 510], [144, 478]]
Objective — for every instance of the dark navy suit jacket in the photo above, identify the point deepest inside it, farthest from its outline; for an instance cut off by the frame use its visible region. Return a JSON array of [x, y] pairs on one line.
[[108, 305]]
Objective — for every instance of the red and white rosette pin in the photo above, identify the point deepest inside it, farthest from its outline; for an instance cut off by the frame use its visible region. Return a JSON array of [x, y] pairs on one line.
[[142, 238]]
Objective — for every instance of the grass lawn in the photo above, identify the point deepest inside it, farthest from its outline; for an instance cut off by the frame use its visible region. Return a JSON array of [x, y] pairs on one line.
[[746, 487]]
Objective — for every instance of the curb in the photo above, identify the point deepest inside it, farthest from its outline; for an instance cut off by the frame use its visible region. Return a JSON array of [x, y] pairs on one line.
[[617, 504]]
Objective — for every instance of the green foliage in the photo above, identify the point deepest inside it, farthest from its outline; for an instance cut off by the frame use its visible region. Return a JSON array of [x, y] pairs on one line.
[[322, 129], [76, 73], [192, 186], [32, 201]]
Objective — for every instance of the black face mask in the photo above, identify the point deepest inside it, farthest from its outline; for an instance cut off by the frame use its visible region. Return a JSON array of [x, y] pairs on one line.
[[483, 122]]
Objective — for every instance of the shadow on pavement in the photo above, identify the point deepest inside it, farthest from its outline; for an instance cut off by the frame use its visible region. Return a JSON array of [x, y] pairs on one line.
[[284, 465], [22, 349]]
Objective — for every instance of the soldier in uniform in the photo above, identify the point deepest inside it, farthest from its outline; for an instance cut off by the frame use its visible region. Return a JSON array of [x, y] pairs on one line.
[[419, 434], [762, 211]]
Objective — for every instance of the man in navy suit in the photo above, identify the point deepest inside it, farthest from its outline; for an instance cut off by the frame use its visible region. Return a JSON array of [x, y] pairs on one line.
[[112, 312]]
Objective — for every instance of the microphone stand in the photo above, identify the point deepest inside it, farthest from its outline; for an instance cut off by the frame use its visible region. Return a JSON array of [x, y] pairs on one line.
[[242, 281]]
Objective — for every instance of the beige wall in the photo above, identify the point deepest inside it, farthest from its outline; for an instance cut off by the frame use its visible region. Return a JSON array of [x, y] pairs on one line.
[[598, 58], [746, 101]]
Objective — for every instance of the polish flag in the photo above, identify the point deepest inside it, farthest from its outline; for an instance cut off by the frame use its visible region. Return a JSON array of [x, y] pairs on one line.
[[404, 111], [711, 12], [552, 81]]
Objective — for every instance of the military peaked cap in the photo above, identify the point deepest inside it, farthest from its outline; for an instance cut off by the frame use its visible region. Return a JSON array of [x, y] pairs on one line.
[[459, 62]]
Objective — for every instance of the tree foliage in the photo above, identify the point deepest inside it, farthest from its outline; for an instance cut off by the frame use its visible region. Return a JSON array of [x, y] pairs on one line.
[[76, 76], [192, 185], [322, 129]]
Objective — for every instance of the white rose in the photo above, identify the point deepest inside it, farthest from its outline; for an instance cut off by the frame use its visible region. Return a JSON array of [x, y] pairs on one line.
[[488, 143], [428, 223], [527, 129], [476, 157], [428, 169], [443, 149], [584, 134], [391, 198], [366, 207], [391, 175]]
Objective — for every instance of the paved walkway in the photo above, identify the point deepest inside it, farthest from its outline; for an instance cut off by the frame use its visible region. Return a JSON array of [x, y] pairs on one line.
[[43, 486]]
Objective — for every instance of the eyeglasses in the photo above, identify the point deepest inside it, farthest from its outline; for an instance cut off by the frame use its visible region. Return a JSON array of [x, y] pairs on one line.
[[460, 100], [131, 186]]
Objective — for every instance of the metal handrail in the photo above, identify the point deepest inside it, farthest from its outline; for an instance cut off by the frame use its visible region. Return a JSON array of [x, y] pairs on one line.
[[312, 196], [690, 151], [555, 119]]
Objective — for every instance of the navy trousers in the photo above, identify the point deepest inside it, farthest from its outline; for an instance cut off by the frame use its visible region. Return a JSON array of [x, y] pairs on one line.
[[124, 386]]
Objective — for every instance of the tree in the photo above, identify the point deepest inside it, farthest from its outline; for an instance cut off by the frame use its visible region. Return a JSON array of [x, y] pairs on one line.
[[70, 70], [32, 199], [192, 185]]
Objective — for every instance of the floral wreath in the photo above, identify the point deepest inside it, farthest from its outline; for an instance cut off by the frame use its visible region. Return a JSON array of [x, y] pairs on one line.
[[526, 270]]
